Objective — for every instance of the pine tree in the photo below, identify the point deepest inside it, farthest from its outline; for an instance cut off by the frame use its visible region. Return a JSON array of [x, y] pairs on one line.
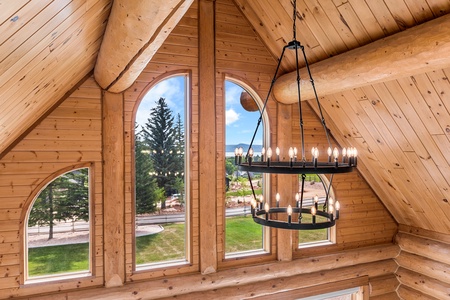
[[179, 148], [159, 135], [65, 198], [147, 193]]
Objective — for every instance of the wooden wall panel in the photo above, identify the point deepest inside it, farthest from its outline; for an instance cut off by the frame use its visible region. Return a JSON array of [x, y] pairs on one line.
[[56, 143]]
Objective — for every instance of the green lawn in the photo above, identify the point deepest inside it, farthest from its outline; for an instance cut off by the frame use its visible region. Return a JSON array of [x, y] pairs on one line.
[[166, 245], [316, 235], [242, 234], [241, 193], [58, 259]]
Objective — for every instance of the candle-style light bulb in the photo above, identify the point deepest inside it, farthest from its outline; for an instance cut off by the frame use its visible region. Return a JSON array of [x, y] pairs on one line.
[[331, 201], [350, 156], [236, 154], [289, 212], [315, 156], [313, 214], [277, 151], [297, 199], [261, 201], [331, 209], [240, 153], [267, 208], [344, 154], [291, 152], [269, 155], [336, 156], [335, 153], [277, 197], [295, 153], [291, 156], [263, 152], [329, 154], [250, 156]]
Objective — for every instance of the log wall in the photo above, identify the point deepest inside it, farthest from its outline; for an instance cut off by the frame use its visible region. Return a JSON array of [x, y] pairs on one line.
[[69, 137], [72, 134], [424, 264]]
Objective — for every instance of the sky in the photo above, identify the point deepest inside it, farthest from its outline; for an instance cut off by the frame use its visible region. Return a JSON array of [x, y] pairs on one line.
[[240, 124]]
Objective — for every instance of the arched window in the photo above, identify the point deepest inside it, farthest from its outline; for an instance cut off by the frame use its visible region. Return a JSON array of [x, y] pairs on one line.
[[161, 189], [58, 229], [315, 191], [242, 110]]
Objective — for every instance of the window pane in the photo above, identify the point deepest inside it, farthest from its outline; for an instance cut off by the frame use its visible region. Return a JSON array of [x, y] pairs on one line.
[[241, 233], [58, 226], [160, 174], [313, 187]]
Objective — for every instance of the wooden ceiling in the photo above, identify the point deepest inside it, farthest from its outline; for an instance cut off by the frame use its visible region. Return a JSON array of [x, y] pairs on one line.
[[401, 126]]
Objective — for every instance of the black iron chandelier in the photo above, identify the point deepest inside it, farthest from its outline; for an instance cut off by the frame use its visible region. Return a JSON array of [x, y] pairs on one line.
[[298, 164]]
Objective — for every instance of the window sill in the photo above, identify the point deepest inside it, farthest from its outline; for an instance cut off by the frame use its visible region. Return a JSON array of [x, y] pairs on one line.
[[157, 265], [314, 244], [57, 277]]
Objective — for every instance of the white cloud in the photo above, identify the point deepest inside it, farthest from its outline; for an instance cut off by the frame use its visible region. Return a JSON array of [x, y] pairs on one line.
[[232, 93], [171, 89], [231, 116]]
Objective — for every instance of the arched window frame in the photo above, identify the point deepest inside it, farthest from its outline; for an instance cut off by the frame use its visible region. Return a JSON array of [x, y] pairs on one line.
[[24, 279], [187, 129], [267, 234]]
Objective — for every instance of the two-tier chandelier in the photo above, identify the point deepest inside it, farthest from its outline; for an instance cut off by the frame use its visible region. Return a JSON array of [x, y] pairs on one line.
[[305, 213]]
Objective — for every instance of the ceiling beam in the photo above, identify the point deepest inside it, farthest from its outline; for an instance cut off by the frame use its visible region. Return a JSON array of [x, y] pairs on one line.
[[420, 49], [135, 31]]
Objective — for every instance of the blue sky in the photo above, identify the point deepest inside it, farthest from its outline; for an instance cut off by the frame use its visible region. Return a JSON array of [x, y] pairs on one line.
[[172, 90], [240, 124]]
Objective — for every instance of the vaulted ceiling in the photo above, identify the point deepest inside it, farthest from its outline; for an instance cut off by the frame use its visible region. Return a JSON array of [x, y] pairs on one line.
[[390, 57]]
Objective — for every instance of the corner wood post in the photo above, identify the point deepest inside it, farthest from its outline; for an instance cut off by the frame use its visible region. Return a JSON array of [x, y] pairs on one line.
[[113, 189]]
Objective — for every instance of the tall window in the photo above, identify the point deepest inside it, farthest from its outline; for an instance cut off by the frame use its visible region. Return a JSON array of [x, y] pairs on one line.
[[58, 228], [315, 192], [160, 168], [242, 235]]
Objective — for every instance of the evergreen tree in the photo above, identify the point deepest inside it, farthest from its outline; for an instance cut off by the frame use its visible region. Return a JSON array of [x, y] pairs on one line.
[[147, 193], [179, 148], [65, 198], [159, 135]]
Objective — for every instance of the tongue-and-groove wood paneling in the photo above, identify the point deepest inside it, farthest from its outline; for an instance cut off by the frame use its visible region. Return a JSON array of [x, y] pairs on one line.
[[46, 48]]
